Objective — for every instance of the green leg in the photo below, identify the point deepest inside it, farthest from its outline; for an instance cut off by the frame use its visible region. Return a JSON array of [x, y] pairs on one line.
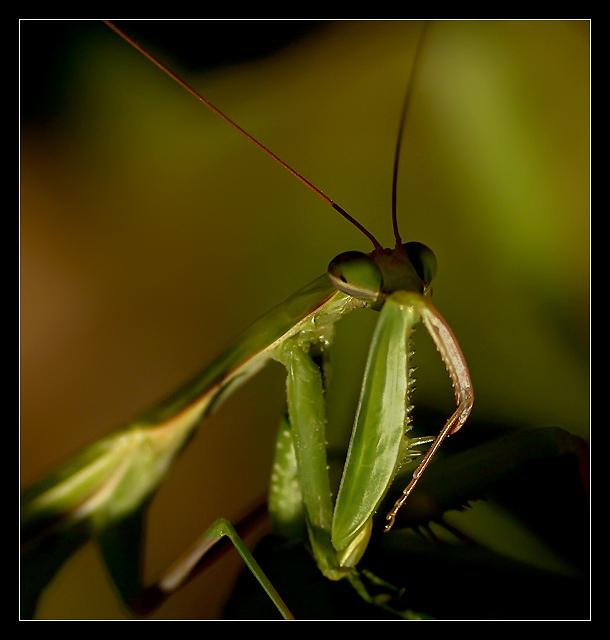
[[116, 543], [307, 419], [285, 502]]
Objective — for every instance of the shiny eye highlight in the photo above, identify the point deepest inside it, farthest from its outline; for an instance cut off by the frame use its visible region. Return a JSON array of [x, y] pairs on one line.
[[423, 260], [356, 274]]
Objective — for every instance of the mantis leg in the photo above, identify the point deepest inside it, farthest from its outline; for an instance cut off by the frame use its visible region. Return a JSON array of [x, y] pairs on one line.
[[307, 420], [285, 502], [455, 364], [123, 539]]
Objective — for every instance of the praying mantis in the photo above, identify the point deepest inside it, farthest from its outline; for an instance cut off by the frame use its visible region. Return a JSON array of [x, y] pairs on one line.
[[409, 235]]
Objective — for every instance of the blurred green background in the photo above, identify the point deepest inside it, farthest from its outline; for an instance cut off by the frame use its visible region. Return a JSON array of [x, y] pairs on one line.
[[152, 234]]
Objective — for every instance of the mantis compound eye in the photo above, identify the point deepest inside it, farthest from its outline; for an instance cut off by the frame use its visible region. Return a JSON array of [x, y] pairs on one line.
[[356, 274], [423, 260]]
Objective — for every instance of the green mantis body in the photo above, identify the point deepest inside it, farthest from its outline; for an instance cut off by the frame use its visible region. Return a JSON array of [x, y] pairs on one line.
[[103, 492], [321, 298]]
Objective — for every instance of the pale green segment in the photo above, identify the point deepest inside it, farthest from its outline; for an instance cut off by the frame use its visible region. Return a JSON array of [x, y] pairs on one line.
[[285, 501], [307, 418], [303, 355], [378, 443]]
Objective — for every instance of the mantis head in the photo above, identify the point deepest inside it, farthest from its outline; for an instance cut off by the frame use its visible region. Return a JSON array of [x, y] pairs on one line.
[[372, 276]]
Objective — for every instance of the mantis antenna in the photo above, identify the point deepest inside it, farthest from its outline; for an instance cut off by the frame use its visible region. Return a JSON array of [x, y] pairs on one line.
[[261, 146], [403, 114]]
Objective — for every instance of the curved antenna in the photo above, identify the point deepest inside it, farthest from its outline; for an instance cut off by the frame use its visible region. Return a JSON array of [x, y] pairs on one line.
[[403, 115], [261, 146]]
